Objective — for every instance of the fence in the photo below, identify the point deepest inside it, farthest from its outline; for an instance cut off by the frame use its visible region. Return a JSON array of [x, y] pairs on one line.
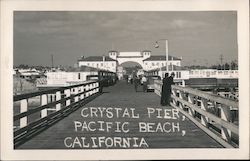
[[215, 115], [34, 112]]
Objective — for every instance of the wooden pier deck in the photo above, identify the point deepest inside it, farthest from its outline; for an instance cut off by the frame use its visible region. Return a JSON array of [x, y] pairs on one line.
[[123, 95]]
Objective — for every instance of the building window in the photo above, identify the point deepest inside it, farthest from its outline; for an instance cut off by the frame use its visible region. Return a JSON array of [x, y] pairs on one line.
[[146, 63], [79, 75]]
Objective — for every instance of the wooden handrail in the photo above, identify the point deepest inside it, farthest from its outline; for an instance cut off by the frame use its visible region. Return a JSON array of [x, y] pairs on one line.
[[216, 119], [34, 110], [186, 100], [202, 94], [38, 93], [64, 101]]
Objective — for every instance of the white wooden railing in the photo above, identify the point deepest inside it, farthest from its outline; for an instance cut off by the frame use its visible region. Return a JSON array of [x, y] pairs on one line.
[[38, 110], [212, 113]]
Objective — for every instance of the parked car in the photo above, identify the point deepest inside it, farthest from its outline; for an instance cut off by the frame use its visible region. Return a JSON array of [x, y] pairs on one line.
[[150, 82]]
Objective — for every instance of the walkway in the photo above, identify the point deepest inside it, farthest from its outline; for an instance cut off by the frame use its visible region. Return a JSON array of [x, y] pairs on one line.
[[162, 132]]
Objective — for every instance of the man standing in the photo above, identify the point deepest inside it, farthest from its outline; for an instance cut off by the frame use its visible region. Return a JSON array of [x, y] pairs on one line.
[[164, 90], [169, 89]]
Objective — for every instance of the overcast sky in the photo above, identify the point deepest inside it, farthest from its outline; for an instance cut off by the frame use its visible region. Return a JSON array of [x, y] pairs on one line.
[[197, 37]]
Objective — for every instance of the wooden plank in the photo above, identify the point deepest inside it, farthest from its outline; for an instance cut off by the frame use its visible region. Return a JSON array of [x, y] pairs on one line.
[[123, 96]]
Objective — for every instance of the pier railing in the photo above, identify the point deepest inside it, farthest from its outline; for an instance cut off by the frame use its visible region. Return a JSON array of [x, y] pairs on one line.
[[34, 112], [215, 115]]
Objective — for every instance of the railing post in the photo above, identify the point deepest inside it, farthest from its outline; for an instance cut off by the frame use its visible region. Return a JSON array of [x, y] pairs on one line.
[[91, 87], [204, 119], [191, 100], [183, 83], [97, 85], [58, 97], [76, 92], [225, 115], [81, 90], [67, 94], [181, 96], [23, 108], [174, 92], [44, 101], [86, 89]]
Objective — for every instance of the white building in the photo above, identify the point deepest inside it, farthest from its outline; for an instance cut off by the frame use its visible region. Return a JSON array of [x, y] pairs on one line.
[[99, 62], [115, 59], [66, 78]]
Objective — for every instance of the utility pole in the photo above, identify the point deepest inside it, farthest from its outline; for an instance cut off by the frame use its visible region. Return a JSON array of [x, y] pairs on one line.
[[52, 61], [221, 60]]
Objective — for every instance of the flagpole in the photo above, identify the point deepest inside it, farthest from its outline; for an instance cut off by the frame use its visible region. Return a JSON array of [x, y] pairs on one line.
[[166, 55], [156, 46]]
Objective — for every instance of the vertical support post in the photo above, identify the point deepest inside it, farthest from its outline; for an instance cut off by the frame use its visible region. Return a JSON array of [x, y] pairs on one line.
[[226, 115], [181, 95], [97, 85], [58, 97], [166, 55], [204, 119], [81, 90], [86, 89], [174, 92], [76, 92], [44, 101], [24, 108], [159, 86], [90, 87], [183, 83], [191, 100], [67, 94]]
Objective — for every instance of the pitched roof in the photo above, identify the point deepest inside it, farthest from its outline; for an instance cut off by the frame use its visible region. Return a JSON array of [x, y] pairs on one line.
[[96, 58], [160, 58], [82, 69], [175, 68]]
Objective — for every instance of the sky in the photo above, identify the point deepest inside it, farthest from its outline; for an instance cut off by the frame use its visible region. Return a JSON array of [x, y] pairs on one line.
[[199, 37]]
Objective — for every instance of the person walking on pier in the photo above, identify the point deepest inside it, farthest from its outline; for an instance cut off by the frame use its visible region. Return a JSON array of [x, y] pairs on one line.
[[144, 83], [136, 82]]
